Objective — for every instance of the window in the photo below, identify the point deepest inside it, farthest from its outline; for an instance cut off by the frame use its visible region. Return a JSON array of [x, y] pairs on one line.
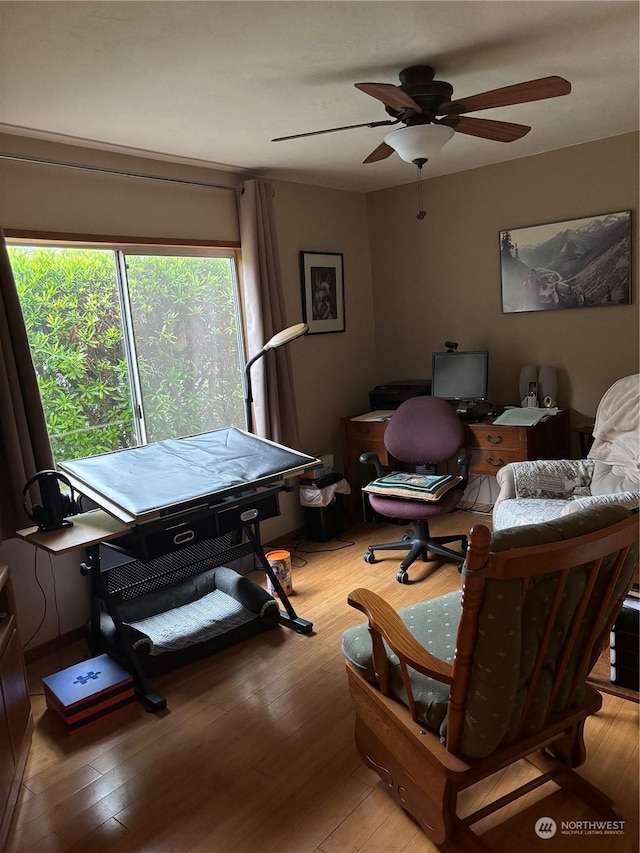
[[131, 346]]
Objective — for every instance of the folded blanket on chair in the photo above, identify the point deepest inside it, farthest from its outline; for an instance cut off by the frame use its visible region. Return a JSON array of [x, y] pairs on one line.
[[415, 487]]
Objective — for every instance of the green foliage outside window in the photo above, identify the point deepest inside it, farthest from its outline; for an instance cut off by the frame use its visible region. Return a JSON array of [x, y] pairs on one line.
[[186, 340], [187, 344], [72, 317]]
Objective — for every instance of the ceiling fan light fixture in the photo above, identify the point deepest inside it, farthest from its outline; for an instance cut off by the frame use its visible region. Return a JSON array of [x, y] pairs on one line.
[[419, 142]]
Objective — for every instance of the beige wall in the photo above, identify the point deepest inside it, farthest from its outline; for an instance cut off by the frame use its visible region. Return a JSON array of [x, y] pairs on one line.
[[332, 373], [439, 279], [51, 198]]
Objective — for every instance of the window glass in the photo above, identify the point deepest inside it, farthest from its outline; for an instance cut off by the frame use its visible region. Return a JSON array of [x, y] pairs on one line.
[[187, 344], [130, 347], [70, 304]]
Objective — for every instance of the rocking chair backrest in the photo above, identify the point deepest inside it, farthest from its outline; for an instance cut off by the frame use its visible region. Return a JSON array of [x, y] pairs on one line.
[[538, 603]]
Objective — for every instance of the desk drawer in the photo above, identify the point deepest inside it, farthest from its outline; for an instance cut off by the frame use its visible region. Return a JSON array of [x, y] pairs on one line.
[[246, 512], [485, 461], [367, 430], [155, 539], [490, 437]]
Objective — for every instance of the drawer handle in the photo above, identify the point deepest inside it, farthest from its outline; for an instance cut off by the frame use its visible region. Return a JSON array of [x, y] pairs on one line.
[[185, 536], [497, 463], [494, 439]]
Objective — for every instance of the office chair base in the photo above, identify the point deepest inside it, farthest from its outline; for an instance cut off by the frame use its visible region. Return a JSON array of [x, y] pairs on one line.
[[420, 544]]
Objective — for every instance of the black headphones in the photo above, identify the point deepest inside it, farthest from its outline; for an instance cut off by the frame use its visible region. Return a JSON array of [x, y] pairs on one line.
[[51, 515]]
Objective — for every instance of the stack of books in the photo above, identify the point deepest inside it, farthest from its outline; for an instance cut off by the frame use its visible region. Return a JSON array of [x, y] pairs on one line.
[[88, 691], [624, 656]]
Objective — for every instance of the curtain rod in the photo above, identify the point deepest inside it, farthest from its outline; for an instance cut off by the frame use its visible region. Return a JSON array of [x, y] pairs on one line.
[[41, 162]]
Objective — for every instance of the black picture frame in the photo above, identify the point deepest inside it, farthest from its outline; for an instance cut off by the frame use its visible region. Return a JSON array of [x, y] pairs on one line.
[[576, 263], [322, 291]]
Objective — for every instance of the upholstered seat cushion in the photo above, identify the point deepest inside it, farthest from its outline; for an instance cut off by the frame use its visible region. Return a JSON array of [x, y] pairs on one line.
[[434, 624], [519, 511], [408, 510]]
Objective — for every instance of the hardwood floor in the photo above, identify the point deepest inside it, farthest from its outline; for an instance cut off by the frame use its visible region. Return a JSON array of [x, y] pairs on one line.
[[255, 751]]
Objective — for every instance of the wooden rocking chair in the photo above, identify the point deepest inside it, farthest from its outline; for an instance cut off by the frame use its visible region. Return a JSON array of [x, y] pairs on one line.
[[449, 691]]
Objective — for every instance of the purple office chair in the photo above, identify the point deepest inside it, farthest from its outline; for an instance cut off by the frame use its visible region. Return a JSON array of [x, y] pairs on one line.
[[422, 432]]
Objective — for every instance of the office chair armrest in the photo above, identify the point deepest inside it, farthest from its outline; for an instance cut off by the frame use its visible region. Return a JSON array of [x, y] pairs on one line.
[[373, 459], [464, 461]]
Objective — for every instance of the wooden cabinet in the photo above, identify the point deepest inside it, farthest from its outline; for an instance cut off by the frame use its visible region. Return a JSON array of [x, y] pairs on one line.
[[361, 437], [16, 720], [491, 447]]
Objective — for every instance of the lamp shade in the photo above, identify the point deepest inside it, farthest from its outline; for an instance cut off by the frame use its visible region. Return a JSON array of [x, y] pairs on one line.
[[286, 336], [420, 141]]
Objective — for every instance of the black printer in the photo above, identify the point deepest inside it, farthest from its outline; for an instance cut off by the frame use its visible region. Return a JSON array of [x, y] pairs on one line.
[[391, 394]]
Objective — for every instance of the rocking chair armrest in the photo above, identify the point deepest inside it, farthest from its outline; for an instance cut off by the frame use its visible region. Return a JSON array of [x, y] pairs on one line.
[[371, 458], [384, 620]]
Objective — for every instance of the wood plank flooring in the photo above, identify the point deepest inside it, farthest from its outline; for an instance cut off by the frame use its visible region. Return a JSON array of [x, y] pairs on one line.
[[255, 751]]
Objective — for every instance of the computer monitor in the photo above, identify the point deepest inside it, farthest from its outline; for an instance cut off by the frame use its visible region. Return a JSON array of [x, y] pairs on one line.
[[460, 375]]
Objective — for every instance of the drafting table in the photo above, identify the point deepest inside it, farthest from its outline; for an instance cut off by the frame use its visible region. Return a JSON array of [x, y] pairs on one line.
[[167, 495]]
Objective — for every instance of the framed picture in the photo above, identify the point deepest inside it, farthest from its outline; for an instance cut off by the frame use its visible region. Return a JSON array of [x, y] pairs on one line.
[[322, 292], [578, 263]]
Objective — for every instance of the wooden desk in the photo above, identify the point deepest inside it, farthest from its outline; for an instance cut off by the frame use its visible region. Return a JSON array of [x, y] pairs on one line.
[[585, 436], [491, 447]]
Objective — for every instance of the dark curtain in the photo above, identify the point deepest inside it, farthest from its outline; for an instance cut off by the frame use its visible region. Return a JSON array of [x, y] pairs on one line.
[[24, 441], [275, 414]]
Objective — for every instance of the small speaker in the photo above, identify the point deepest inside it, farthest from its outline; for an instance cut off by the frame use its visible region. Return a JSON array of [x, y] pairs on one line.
[[548, 384], [529, 373]]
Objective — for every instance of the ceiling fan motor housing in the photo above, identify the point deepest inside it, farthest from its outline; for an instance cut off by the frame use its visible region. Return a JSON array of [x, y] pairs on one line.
[[417, 82]]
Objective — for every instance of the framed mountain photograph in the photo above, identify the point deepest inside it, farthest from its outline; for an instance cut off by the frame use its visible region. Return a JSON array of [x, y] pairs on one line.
[[578, 263]]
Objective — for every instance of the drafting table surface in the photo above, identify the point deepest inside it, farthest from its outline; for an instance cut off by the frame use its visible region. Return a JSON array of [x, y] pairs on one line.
[[149, 481]]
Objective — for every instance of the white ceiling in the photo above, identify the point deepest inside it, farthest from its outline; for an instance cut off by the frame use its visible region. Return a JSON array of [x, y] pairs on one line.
[[212, 82]]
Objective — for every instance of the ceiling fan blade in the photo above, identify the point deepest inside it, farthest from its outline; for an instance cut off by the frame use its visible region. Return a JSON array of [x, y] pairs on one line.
[[380, 153], [334, 129], [520, 93], [499, 131], [390, 95]]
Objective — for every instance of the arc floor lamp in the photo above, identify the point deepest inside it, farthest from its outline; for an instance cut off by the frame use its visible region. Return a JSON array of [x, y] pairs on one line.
[[278, 340]]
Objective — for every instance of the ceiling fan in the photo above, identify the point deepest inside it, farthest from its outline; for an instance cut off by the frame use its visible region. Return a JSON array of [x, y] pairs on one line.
[[430, 117]]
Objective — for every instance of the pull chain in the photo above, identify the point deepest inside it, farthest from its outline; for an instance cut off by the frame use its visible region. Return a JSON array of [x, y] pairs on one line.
[[422, 212]]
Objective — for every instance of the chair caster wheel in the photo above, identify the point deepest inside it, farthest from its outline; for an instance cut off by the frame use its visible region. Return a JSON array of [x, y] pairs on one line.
[[408, 536], [368, 557], [402, 577]]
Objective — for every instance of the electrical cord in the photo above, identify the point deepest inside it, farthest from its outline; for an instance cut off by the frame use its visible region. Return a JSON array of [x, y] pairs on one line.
[[296, 543], [45, 610], [44, 599]]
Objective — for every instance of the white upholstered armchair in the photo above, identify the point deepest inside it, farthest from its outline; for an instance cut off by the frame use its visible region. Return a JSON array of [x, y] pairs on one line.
[[539, 490]]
